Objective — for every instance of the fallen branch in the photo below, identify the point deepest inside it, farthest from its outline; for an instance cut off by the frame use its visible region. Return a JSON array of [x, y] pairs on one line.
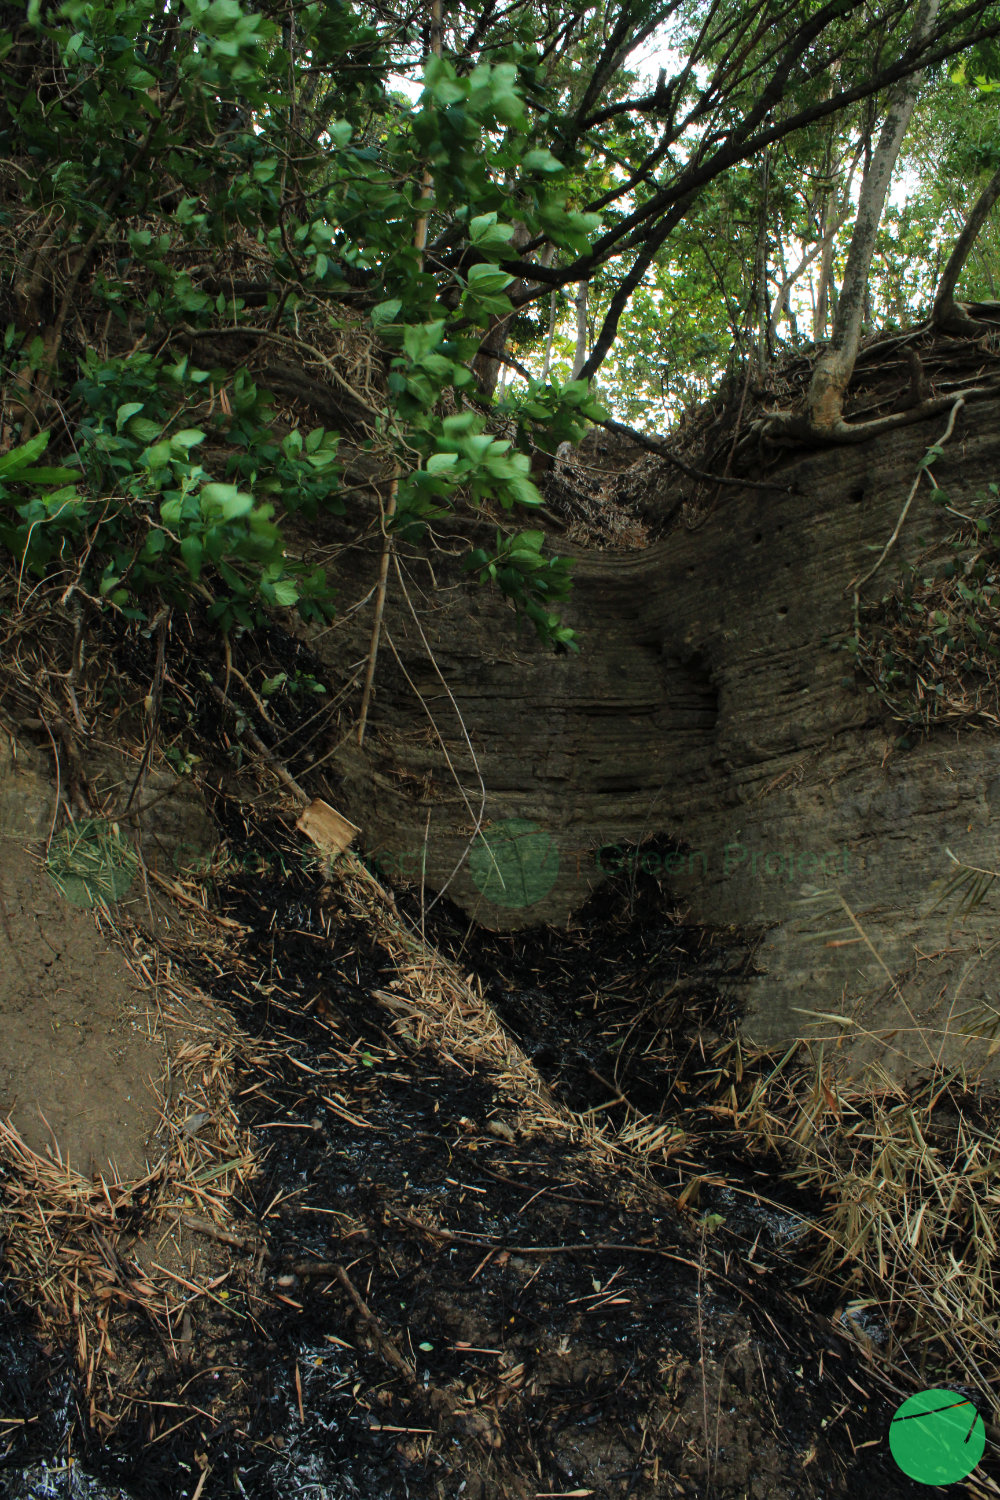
[[594, 1247], [282, 773], [380, 1338]]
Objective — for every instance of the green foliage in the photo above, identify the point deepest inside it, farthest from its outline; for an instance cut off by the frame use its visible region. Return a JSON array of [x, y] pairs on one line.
[[553, 413], [174, 490], [91, 863], [299, 682], [529, 579], [159, 153], [158, 522]]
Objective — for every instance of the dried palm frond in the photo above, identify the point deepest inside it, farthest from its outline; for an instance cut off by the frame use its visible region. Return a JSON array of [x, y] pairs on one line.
[[969, 883]]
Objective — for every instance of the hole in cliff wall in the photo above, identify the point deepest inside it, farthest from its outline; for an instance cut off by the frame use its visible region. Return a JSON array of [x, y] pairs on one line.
[[689, 706], [609, 1009]]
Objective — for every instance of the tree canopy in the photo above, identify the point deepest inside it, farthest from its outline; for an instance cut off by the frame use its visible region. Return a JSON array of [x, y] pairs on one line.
[[452, 234]]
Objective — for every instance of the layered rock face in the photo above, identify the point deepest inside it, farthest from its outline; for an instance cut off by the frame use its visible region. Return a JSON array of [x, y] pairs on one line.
[[713, 712]]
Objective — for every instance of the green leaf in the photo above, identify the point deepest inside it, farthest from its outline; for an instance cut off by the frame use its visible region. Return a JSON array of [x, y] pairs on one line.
[[523, 491], [541, 160], [488, 235], [187, 438], [225, 500], [286, 592], [191, 551], [439, 462], [384, 312], [124, 412], [487, 278], [19, 458], [442, 82], [156, 457], [420, 339], [461, 424], [47, 476], [155, 543]]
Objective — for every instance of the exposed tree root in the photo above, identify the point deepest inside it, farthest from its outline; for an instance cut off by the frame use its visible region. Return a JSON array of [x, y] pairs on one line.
[[793, 428], [955, 319]]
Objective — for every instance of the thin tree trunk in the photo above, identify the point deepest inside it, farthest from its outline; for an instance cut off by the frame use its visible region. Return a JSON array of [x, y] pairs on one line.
[[826, 293], [825, 401], [420, 245], [782, 303], [549, 336], [828, 233], [580, 356], [948, 315], [866, 311], [547, 258], [820, 297], [761, 310]]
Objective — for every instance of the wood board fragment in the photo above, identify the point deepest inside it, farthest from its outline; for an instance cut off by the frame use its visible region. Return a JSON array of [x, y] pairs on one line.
[[326, 827]]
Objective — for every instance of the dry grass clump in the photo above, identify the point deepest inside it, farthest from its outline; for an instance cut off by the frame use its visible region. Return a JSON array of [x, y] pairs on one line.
[[910, 1231], [435, 1004]]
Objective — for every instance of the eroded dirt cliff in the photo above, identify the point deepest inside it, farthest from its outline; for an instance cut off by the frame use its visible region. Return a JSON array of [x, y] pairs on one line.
[[714, 706]]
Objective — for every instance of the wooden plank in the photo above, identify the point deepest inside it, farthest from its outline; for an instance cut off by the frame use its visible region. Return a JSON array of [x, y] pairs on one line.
[[327, 829]]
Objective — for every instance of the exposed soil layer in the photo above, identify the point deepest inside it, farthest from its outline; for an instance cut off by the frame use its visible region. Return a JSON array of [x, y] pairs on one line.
[[77, 1062]]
